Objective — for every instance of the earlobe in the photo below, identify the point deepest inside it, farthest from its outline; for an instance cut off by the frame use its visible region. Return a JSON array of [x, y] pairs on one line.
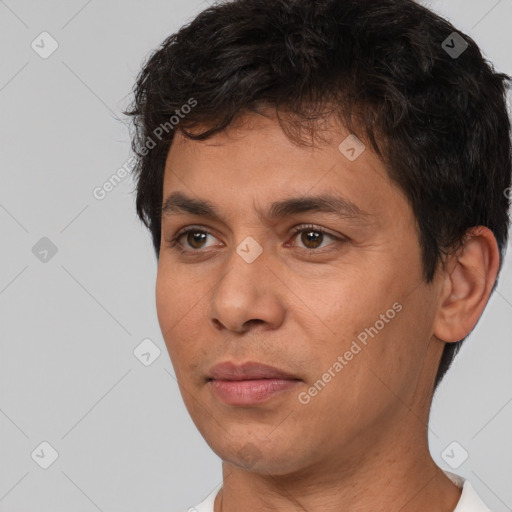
[[468, 280]]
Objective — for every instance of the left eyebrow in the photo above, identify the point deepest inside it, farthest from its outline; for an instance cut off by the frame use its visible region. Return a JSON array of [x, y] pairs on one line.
[[177, 203], [324, 203]]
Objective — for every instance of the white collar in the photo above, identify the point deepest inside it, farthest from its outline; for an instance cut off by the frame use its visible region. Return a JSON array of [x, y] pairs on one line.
[[469, 500]]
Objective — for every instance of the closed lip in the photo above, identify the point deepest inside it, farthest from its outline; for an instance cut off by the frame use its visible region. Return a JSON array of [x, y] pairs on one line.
[[247, 371]]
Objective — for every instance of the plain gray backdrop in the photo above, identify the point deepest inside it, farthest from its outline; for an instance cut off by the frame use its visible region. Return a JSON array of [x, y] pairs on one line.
[[77, 282]]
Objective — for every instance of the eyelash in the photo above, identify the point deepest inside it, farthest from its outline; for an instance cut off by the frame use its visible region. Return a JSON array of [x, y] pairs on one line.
[[174, 244]]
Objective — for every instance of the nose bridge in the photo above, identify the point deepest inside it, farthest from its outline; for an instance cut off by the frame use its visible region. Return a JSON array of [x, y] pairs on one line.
[[245, 292], [240, 285]]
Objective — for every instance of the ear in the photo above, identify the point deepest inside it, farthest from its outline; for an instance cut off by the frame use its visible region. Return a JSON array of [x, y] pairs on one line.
[[468, 279]]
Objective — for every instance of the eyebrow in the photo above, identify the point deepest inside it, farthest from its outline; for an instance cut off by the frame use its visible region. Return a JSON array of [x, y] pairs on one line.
[[179, 203]]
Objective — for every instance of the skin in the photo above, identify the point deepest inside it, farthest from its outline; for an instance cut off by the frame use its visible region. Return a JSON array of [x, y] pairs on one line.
[[361, 443]]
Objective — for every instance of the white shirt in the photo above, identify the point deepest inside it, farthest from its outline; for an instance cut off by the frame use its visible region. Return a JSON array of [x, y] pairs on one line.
[[469, 500]]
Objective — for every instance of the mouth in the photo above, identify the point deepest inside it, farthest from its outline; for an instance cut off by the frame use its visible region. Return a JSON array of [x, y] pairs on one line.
[[250, 392], [251, 370], [250, 383]]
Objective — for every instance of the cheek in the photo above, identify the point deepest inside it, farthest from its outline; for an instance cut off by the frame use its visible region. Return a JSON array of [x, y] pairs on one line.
[[181, 316], [176, 297], [374, 322], [355, 303], [174, 308]]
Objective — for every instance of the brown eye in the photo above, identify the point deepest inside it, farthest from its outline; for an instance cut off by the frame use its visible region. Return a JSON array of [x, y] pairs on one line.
[[195, 238], [312, 237], [190, 240]]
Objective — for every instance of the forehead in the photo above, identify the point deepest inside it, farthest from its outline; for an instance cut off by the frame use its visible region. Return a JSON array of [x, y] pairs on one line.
[[253, 162]]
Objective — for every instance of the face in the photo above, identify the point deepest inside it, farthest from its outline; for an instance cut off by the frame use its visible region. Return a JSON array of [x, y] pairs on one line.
[[334, 298]]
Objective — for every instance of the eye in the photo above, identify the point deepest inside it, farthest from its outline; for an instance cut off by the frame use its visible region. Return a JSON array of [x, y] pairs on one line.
[[193, 236], [313, 236]]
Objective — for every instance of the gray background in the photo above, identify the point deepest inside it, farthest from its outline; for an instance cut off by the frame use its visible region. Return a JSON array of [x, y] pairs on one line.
[[69, 326]]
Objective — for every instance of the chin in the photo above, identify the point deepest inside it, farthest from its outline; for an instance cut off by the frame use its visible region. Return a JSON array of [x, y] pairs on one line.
[[258, 453]]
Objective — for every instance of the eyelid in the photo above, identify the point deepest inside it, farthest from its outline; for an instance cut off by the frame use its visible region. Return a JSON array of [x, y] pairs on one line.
[[192, 227], [320, 229]]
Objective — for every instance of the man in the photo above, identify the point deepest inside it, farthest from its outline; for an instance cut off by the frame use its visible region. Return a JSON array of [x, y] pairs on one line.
[[326, 184]]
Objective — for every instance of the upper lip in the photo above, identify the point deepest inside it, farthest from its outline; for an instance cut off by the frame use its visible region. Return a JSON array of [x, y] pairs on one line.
[[247, 371]]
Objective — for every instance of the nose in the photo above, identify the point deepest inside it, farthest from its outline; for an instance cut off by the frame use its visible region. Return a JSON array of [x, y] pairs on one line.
[[247, 296]]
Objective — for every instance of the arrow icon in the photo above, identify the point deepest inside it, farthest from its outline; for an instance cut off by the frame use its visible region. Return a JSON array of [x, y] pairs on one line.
[[44, 250], [454, 45], [146, 352], [44, 45], [44, 455], [454, 455], [249, 249], [351, 147]]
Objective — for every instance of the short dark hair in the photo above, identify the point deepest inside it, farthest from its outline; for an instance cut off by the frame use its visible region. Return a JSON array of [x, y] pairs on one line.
[[438, 121]]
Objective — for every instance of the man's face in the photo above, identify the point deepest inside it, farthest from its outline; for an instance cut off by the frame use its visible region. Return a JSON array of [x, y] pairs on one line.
[[346, 312]]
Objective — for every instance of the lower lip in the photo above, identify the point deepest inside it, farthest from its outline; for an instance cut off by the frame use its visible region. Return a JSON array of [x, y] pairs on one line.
[[250, 392]]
